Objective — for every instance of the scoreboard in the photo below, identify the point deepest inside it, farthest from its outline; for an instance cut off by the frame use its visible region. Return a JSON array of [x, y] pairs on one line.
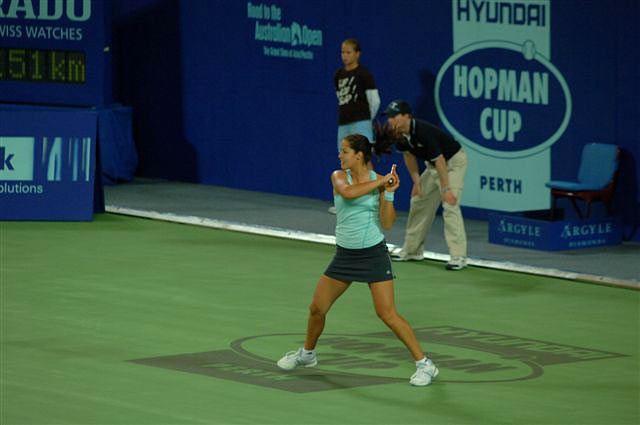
[[46, 66], [55, 52]]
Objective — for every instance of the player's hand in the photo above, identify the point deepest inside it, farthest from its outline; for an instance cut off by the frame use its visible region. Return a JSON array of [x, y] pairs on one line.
[[392, 181]]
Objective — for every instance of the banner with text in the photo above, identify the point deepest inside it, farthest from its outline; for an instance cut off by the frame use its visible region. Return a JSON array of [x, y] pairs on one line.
[[500, 95], [281, 35], [47, 165], [54, 52]]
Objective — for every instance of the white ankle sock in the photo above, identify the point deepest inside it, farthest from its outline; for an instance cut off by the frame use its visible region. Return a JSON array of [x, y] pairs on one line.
[[425, 361], [306, 352]]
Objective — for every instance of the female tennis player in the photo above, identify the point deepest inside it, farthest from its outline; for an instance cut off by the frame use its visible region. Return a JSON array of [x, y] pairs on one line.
[[364, 204]]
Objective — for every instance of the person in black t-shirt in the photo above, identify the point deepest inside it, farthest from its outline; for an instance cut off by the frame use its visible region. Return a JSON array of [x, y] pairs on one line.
[[441, 183], [358, 97]]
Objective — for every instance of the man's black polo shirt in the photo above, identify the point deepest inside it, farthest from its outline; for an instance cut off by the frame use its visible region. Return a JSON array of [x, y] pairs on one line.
[[427, 142]]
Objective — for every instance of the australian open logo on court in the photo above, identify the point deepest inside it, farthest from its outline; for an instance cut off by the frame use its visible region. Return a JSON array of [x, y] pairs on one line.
[[464, 356], [515, 109]]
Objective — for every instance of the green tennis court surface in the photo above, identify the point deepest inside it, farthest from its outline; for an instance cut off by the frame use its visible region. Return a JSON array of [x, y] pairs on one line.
[[133, 321]]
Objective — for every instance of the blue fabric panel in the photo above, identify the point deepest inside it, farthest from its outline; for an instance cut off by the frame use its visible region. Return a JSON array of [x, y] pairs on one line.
[[117, 149], [573, 186], [598, 164]]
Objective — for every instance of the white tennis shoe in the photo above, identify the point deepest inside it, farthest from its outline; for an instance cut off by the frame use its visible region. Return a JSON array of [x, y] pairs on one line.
[[293, 359], [400, 255], [425, 373], [456, 263]]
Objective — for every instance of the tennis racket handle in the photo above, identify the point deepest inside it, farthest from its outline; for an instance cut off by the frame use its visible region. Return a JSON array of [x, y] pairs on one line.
[[393, 170]]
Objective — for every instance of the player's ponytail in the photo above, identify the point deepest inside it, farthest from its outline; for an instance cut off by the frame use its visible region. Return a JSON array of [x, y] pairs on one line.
[[385, 137]]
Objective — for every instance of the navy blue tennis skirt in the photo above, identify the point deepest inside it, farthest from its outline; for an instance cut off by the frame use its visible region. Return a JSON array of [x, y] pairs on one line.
[[369, 265]]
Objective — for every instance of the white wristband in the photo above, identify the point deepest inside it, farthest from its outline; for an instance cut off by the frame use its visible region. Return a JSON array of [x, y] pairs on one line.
[[388, 196]]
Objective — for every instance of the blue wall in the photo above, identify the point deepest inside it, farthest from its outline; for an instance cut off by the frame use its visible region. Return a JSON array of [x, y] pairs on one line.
[[211, 107]]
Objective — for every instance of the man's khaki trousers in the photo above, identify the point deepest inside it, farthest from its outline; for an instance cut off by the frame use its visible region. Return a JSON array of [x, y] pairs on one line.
[[424, 206]]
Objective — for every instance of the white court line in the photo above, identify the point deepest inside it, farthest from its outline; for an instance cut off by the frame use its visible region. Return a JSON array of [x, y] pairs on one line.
[[331, 240]]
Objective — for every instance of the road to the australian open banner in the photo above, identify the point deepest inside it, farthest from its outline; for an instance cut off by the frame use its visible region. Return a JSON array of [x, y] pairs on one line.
[[500, 95], [47, 164]]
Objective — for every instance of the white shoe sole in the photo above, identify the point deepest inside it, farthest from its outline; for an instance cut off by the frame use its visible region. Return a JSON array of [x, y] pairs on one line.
[[407, 258]]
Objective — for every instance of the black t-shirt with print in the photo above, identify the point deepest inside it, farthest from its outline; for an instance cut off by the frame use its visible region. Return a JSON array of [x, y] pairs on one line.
[[351, 87], [427, 142]]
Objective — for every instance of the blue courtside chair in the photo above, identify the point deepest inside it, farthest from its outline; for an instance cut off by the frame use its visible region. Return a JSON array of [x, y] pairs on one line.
[[596, 178]]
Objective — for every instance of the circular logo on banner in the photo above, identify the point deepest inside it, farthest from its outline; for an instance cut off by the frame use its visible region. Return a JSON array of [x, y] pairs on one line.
[[503, 99]]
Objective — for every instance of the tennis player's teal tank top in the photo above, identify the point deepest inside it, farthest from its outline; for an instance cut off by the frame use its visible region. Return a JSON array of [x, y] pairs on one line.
[[358, 220]]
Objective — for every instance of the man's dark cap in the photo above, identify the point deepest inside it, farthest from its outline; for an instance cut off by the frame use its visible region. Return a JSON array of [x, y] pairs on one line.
[[396, 107]]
